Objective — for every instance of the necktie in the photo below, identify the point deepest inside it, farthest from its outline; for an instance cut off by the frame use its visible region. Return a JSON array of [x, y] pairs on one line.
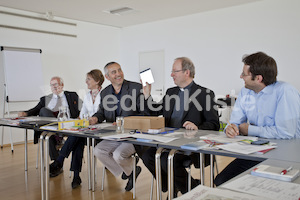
[[58, 104]]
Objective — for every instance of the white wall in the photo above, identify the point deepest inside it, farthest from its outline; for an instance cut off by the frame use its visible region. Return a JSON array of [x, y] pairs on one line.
[[71, 58], [217, 40]]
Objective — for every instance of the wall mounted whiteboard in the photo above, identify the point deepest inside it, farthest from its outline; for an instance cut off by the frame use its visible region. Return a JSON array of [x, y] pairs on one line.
[[23, 75]]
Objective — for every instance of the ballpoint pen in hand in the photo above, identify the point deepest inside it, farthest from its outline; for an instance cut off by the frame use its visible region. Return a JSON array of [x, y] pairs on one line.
[[286, 170]]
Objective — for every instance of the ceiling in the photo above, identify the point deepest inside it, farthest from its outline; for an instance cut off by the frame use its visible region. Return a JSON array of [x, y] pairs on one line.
[[97, 11]]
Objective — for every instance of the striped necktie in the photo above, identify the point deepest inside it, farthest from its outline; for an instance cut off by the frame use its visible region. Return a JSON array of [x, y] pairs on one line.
[[58, 104]]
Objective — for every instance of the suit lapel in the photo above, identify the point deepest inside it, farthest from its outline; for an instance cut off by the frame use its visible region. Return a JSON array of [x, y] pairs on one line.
[[124, 91], [172, 102], [48, 99], [193, 90], [68, 98]]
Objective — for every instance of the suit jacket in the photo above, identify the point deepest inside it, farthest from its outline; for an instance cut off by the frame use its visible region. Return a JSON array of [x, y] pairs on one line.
[[205, 119], [132, 90], [72, 99]]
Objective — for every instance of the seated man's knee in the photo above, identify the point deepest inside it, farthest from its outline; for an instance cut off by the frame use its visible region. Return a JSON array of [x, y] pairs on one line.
[[148, 157], [98, 152], [118, 157], [45, 112]]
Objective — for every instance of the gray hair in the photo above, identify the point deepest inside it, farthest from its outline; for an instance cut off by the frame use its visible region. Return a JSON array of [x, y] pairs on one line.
[[108, 64], [187, 64], [59, 79]]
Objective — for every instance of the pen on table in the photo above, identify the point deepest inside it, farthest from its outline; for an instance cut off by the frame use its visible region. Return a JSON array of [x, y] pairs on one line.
[[286, 170]]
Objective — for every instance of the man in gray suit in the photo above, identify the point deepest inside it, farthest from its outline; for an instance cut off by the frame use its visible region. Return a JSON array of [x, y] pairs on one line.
[[121, 98]]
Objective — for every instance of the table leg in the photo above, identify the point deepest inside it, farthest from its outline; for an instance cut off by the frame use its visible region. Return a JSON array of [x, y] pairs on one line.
[[158, 173], [42, 167], [171, 173], [47, 177], [134, 172], [89, 163], [26, 150], [201, 168], [93, 164], [211, 170]]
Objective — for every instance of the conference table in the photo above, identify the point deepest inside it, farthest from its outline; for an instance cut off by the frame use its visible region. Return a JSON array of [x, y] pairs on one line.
[[283, 152], [286, 151], [14, 123]]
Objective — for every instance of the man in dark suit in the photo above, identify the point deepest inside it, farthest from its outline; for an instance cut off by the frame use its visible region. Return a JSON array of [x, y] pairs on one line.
[[49, 107], [188, 106], [121, 98]]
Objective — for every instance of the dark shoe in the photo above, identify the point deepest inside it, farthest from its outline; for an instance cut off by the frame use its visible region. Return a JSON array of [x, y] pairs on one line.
[[129, 185], [76, 182], [195, 183], [124, 176], [55, 169]]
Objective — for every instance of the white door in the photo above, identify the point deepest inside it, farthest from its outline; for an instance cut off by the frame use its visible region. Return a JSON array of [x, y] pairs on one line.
[[156, 61]]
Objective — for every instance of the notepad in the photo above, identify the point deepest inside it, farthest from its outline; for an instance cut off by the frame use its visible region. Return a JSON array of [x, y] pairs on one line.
[[268, 171], [147, 77], [195, 145]]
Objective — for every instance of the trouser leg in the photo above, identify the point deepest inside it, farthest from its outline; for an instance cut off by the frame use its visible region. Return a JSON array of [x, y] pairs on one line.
[[122, 155], [104, 152], [52, 148], [233, 169], [77, 155], [149, 161]]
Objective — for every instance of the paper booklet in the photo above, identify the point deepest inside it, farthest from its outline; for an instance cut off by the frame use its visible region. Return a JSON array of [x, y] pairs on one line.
[[278, 173], [195, 145]]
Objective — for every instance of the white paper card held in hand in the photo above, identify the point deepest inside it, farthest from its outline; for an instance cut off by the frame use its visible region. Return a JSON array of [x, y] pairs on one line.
[[146, 76]]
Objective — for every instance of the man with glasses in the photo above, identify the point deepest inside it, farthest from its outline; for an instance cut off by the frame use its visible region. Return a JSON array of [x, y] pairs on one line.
[[188, 106], [49, 107], [265, 108]]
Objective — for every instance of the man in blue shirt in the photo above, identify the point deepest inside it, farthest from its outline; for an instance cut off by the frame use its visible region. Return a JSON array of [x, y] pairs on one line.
[[264, 108]]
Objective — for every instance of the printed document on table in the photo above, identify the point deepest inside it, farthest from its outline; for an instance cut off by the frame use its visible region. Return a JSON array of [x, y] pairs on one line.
[[102, 125], [222, 138], [202, 192], [240, 147], [139, 136], [265, 187]]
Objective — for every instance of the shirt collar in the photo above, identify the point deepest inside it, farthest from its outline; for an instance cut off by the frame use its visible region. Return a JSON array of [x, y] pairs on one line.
[[60, 95], [268, 89], [187, 87]]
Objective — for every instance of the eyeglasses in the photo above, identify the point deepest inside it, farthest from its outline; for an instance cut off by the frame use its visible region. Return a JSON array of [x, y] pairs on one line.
[[243, 74], [175, 71], [54, 85]]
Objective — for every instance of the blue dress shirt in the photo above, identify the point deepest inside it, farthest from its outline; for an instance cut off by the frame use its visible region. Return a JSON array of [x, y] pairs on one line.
[[274, 112]]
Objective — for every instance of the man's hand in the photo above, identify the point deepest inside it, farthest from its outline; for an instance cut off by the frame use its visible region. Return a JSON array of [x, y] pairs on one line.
[[22, 114], [190, 125], [93, 120], [147, 90], [232, 130], [244, 128]]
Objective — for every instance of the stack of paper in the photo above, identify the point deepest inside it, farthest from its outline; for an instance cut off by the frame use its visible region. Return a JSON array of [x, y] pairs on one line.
[[195, 145], [147, 137], [264, 187], [275, 173], [222, 138], [240, 147]]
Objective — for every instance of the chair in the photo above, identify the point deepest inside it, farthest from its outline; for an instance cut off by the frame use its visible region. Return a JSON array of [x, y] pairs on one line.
[[58, 146], [134, 175]]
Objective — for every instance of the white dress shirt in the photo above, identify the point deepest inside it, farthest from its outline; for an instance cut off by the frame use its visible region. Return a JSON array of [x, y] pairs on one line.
[[88, 106], [53, 101]]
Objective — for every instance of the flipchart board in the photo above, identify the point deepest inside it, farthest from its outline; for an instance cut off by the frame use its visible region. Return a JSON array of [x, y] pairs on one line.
[[22, 74]]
